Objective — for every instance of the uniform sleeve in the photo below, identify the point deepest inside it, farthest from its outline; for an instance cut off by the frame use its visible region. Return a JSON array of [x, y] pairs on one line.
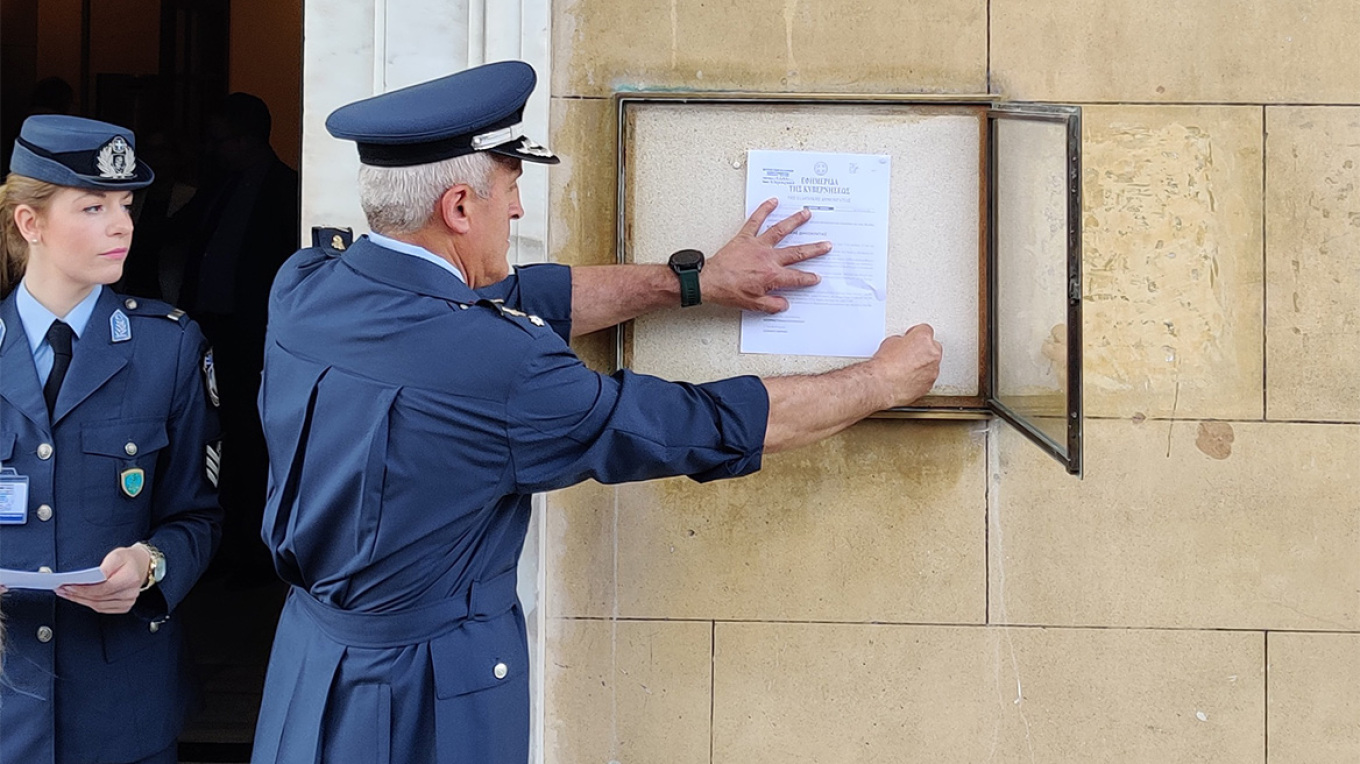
[[543, 290], [567, 423], [186, 522]]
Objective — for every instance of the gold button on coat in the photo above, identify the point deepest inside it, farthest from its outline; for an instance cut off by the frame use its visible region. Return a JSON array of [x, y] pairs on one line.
[[501, 670], [44, 634], [44, 451]]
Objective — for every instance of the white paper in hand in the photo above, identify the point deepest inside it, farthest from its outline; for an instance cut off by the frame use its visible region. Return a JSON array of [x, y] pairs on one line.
[[23, 579]]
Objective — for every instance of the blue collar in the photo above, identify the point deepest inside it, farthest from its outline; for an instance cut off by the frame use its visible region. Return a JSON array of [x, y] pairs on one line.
[[406, 248], [37, 319]]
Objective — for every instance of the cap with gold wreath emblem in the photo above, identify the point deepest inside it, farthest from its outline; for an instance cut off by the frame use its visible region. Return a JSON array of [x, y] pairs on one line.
[[79, 152]]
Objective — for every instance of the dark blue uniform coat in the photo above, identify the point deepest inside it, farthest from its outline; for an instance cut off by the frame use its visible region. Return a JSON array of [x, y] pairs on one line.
[[103, 688], [409, 420]]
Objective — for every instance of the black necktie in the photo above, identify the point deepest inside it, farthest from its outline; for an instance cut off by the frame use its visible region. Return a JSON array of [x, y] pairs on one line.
[[59, 337]]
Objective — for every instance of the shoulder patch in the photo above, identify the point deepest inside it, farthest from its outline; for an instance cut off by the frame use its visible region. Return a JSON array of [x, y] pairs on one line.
[[210, 379]]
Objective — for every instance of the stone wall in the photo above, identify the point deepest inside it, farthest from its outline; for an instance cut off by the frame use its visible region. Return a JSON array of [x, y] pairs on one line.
[[943, 592]]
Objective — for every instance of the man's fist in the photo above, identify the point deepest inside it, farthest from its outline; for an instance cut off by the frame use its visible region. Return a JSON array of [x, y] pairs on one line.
[[908, 363]]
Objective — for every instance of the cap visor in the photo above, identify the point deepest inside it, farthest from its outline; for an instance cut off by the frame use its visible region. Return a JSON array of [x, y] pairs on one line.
[[526, 150]]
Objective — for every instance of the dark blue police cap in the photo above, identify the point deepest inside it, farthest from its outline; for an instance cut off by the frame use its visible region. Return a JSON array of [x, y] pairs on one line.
[[78, 152], [474, 110]]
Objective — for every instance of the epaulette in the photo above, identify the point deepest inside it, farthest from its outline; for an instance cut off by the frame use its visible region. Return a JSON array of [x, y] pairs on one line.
[[137, 306], [519, 317], [333, 241]]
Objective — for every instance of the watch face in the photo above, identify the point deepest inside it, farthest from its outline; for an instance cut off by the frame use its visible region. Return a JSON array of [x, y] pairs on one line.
[[687, 259]]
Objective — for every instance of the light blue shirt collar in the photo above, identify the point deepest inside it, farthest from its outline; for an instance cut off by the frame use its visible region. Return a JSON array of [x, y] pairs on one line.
[[413, 250], [37, 319]]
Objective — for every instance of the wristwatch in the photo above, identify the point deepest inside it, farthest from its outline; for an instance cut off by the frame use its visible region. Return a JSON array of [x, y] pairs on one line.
[[687, 263], [155, 571]]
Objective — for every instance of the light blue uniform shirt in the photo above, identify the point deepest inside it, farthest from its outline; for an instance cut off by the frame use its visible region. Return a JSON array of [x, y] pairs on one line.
[[415, 251], [37, 320]]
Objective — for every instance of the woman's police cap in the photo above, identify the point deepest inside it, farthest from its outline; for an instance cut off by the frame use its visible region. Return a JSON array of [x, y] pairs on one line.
[[474, 110], [80, 153]]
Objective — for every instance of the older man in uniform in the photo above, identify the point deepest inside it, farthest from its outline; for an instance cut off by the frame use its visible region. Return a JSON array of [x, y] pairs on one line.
[[417, 391]]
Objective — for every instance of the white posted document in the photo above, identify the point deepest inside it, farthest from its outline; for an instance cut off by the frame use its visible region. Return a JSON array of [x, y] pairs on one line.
[[845, 314], [23, 579]]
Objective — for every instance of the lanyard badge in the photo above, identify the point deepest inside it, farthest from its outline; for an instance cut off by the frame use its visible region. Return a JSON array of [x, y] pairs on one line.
[[13, 497]]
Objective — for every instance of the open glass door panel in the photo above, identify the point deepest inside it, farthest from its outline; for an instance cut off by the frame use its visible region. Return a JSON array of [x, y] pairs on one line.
[[1034, 210]]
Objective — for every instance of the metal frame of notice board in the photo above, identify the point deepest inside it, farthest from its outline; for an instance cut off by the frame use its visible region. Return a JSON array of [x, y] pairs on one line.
[[1052, 424]]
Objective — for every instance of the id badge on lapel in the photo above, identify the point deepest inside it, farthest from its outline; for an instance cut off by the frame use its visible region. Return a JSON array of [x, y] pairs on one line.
[[13, 497]]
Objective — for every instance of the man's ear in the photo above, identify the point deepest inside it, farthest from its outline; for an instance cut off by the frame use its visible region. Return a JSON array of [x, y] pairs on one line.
[[453, 208]]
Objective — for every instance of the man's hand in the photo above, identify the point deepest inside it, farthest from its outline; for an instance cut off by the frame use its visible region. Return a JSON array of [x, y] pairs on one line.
[[740, 275], [124, 571], [805, 409], [908, 364], [747, 268]]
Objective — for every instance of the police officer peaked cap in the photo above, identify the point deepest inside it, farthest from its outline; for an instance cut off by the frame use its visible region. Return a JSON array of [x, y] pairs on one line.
[[474, 110], [79, 152]]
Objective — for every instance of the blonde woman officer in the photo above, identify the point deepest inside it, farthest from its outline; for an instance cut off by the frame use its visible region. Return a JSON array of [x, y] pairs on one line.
[[108, 449]]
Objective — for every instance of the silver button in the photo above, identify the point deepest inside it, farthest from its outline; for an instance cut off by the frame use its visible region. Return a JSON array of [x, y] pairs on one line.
[[130, 448], [155, 626], [44, 451], [44, 570], [501, 670], [44, 634], [130, 303], [44, 512]]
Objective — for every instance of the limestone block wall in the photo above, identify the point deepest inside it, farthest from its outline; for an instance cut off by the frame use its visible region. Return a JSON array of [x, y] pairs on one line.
[[943, 592]]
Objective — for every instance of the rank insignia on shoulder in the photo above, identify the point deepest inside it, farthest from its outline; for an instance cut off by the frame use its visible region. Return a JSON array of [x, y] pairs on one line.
[[334, 239], [132, 481], [210, 379], [212, 462], [120, 329], [535, 320], [175, 314]]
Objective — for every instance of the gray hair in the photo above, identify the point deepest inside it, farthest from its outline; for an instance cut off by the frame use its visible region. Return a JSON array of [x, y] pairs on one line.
[[398, 200]]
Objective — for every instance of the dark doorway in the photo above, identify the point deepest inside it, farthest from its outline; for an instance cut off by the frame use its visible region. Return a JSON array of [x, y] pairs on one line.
[[164, 68]]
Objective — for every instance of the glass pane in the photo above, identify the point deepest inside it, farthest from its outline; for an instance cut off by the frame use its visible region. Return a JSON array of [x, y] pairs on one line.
[[1031, 274]]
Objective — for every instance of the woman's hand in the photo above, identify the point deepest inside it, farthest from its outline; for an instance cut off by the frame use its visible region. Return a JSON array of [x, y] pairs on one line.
[[124, 573]]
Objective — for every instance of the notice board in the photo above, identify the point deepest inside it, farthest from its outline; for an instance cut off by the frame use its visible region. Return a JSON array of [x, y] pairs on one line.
[[682, 176]]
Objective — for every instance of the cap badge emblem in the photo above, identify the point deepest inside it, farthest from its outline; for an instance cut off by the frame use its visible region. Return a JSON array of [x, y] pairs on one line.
[[116, 161], [533, 149]]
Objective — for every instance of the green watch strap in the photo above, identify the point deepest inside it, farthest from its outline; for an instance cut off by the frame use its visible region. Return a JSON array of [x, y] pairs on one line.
[[689, 288]]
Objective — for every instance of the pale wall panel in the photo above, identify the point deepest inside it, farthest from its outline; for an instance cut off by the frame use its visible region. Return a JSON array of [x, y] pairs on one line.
[[1187, 524], [1314, 712], [1265, 51], [1172, 276], [600, 46], [635, 691], [833, 693], [1313, 263]]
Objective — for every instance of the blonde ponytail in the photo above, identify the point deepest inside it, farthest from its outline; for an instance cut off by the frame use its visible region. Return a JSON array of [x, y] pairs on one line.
[[17, 190]]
